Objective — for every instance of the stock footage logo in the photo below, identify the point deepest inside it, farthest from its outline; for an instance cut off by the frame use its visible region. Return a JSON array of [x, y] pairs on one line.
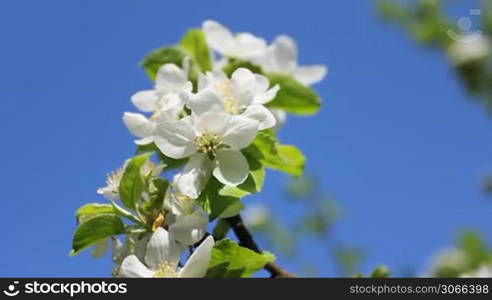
[[464, 25], [11, 290]]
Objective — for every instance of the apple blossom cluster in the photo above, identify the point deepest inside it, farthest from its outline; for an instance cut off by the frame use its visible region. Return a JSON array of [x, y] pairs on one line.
[[205, 133]]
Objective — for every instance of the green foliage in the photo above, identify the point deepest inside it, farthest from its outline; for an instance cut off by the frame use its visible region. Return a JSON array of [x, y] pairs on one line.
[[380, 272], [133, 182], [320, 220], [301, 187], [293, 96], [155, 59], [229, 260], [349, 259], [95, 229], [271, 154], [235, 64], [92, 209], [152, 206], [212, 202], [424, 20], [471, 252], [195, 44]]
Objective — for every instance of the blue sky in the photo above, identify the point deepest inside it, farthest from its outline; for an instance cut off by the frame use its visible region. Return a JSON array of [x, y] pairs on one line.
[[397, 142]]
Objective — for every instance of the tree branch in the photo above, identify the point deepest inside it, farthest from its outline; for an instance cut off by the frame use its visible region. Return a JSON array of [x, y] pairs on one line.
[[246, 240]]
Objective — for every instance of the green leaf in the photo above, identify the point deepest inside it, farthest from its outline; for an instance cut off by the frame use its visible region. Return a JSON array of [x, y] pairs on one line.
[[133, 182], [155, 59], [271, 154], [293, 96], [194, 42], [230, 260], [254, 182], [235, 64], [212, 202], [157, 191], [380, 272], [92, 209], [95, 229]]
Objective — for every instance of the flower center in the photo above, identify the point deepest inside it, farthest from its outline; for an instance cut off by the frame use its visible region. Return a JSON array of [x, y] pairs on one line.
[[186, 203], [231, 104], [165, 270], [208, 143]]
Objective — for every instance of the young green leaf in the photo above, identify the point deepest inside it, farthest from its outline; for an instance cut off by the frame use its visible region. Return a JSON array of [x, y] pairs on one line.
[[132, 183], [92, 209], [166, 55], [95, 229], [230, 260], [293, 96], [380, 272], [195, 44], [212, 202], [153, 205], [235, 64], [271, 154]]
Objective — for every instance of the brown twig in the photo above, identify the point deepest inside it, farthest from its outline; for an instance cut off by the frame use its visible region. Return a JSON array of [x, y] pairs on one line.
[[246, 240]]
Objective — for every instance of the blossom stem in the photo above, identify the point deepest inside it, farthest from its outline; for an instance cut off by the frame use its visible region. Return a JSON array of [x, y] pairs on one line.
[[246, 240]]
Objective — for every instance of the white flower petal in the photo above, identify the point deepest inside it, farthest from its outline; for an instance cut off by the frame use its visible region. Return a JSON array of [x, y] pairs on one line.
[[241, 130], [206, 101], [197, 264], [309, 75], [195, 175], [212, 122], [170, 79], [141, 245], [285, 54], [189, 229], [267, 96], [232, 168], [138, 124], [132, 267], [249, 46], [145, 140], [145, 100], [218, 37], [162, 249], [170, 107], [243, 79], [175, 139], [261, 114]]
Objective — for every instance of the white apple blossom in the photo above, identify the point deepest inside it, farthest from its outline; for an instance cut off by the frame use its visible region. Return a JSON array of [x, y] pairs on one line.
[[484, 271], [162, 257], [245, 93], [213, 140], [186, 219], [110, 191], [281, 57], [241, 45], [165, 101], [461, 52]]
